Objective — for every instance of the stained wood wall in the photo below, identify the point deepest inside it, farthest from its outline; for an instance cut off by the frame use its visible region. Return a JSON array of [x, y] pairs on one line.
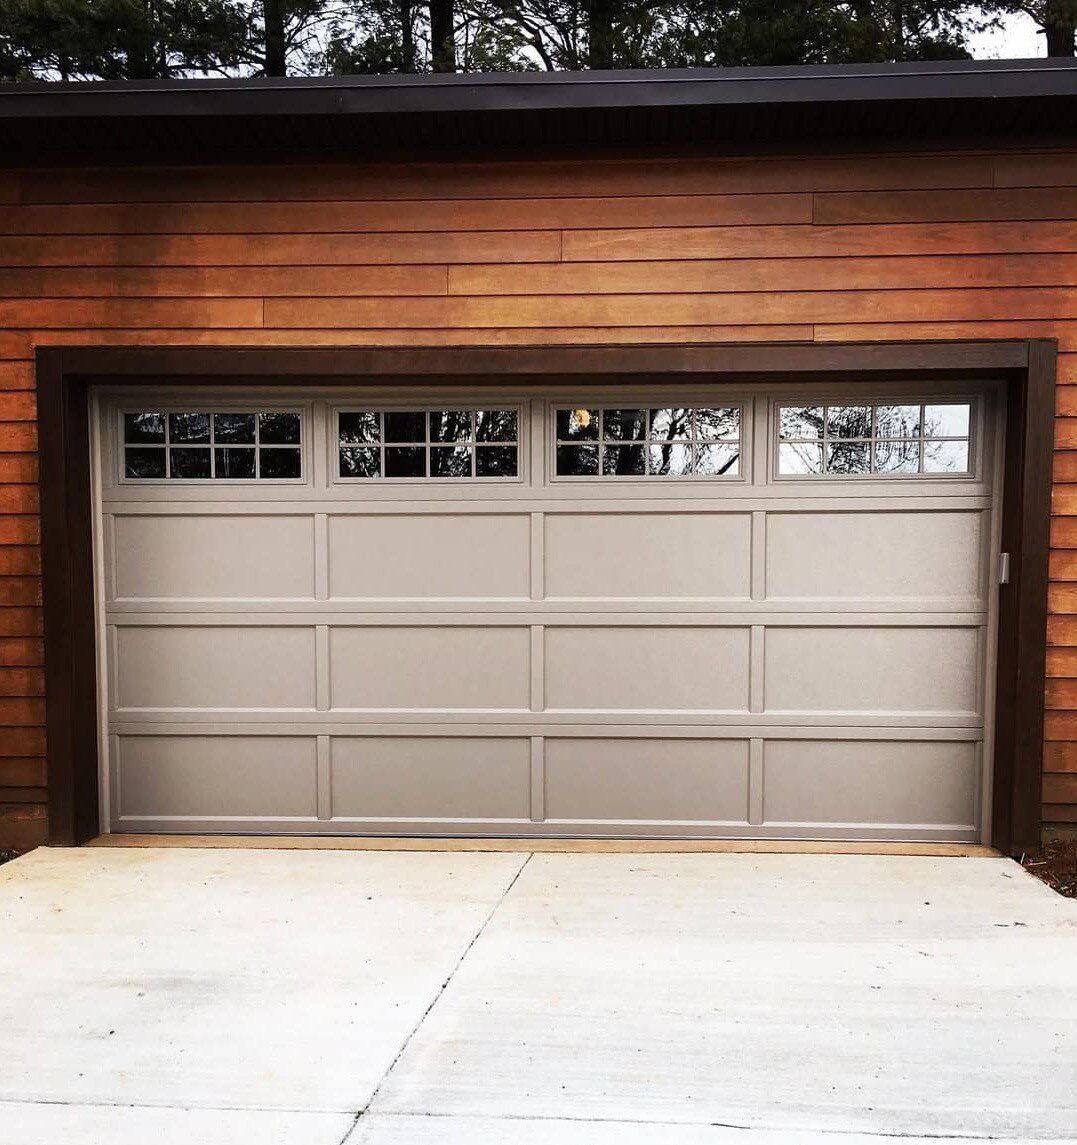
[[822, 248]]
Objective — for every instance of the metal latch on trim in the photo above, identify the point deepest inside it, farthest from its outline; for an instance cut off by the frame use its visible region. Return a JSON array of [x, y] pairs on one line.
[[1004, 568]]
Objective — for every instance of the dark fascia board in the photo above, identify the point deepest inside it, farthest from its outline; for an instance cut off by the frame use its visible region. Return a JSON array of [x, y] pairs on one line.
[[989, 81]]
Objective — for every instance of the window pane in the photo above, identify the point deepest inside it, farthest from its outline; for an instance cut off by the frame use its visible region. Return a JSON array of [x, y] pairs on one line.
[[577, 425], [717, 424], [450, 461], [496, 461], [234, 462], [946, 456], [360, 462], [496, 425], [144, 427], [233, 428], [848, 457], [624, 460], [449, 425], [671, 460], [279, 463], [718, 460], [897, 421], [671, 424], [405, 426], [897, 457], [278, 428], [577, 460], [801, 458], [405, 462], [801, 421], [849, 421], [189, 462], [144, 463], [948, 420], [624, 424], [359, 426], [188, 427]]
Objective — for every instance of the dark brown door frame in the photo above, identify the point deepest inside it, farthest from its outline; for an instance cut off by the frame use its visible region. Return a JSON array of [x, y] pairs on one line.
[[65, 375]]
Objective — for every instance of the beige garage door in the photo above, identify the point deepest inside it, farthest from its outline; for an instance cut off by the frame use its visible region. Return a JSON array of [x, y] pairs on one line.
[[658, 612]]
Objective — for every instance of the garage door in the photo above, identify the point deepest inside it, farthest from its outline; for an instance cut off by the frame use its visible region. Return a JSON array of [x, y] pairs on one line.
[[651, 611]]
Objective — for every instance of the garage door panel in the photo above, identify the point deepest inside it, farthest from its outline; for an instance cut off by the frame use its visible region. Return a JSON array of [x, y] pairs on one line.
[[903, 555], [214, 667], [626, 555], [173, 776], [216, 557], [644, 668], [796, 648], [412, 667], [430, 556], [872, 669], [420, 777], [690, 780], [829, 781]]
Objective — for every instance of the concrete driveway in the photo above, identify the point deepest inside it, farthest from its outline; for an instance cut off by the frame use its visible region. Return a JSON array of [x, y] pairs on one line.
[[219, 997]]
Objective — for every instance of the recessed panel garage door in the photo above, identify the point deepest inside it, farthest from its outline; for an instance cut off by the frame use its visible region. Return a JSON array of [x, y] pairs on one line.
[[656, 611]]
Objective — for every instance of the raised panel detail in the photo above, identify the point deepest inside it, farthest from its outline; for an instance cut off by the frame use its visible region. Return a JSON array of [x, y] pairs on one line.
[[412, 667], [211, 667], [430, 555], [217, 776], [629, 667], [871, 669], [647, 779], [648, 555], [849, 781], [431, 777], [872, 555], [214, 557]]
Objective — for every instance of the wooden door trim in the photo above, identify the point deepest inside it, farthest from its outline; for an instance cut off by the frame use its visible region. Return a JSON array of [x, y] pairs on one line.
[[66, 374]]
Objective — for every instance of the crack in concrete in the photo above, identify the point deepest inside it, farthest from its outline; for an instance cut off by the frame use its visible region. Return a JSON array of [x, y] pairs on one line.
[[441, 990]]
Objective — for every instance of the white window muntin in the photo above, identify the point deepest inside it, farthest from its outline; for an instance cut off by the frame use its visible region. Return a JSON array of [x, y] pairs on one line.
[[731, 447], [428, 445], [887, 453], [171, 409]]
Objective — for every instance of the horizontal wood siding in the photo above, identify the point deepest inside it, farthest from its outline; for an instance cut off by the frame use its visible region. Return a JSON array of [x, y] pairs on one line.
[[824, 248]]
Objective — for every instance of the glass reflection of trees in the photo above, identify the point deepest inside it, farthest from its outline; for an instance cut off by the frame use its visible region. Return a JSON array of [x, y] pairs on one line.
[[668, 441], [877, 438]]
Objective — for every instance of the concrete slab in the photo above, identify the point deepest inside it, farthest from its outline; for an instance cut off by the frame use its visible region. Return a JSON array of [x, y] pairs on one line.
[[228, 980], [30, 1124], [404, 1129], [837, 994]]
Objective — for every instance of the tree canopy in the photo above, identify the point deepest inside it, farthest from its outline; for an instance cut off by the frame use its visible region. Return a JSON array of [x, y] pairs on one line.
[[138, 39]]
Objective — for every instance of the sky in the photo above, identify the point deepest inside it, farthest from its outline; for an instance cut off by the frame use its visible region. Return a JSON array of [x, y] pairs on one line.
[[1017, 39]]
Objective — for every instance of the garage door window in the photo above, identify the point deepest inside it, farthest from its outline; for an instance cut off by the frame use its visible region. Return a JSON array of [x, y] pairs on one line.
[[887, 438], [428, 444], [665, 441], [243, 445]]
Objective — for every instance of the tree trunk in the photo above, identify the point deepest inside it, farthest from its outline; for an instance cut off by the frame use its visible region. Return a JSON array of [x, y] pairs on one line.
[[599, 33], [273, 13], [442, 36], [407, 36], [1061, 39]]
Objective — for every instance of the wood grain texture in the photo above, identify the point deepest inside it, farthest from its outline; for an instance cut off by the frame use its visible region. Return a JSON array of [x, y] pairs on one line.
[[727, 249]]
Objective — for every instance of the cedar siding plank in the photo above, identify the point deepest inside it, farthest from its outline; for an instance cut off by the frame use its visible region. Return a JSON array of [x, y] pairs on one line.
[[282, 250], [819, 241], [551, 179], [431, 215], [855, 247], [951, 206], [729, 276], [675, 309]]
